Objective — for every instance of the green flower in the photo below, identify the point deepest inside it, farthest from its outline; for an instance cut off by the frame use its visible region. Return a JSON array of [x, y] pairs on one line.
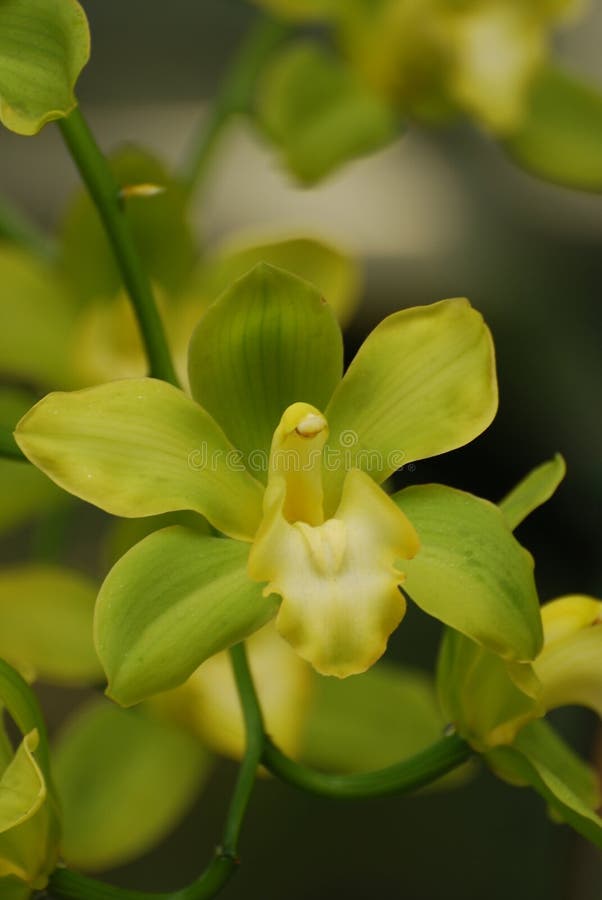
[[499, 708], [285, 458], [29, 829]]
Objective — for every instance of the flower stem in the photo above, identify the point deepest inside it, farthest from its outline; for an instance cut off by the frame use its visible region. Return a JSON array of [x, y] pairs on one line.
[[401, 778], [105, 194], [234, 98]]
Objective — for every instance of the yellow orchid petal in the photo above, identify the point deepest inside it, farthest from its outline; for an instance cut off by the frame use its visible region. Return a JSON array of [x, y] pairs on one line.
[[563, 617], [570, 665], [337, 578], [209, 705]]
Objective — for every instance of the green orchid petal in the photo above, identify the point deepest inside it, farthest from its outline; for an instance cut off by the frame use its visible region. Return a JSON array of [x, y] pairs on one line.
[[570, 665], [533, 491], [125, 780], [337, 578], [421, 384], [43, 48], [268, 341], [170, 603], [371, 721], [38, 316], [319, 114], [540, 758], [141, 447], [46, 624], [560, 138], [334, 273], [487, 699], [470, 572], [158, 220]]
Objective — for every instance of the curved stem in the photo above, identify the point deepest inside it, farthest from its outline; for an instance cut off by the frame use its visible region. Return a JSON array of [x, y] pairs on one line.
[[401, 778], [104, 192], [235, 97]]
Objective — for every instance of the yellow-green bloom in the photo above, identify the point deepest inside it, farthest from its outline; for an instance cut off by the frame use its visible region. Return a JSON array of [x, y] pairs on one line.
[[500, 707], [29, 829], [284, 457]]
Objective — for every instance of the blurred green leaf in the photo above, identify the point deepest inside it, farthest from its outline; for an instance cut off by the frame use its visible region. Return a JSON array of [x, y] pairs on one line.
[[46, 615], [319, 114], [38, 317], [124, 780], [541, 759], [43, 48], [470, 572], [370, 721], [170, 603], [561, 137], [159, 224], [333, 272], [534, 490], [300, 10]]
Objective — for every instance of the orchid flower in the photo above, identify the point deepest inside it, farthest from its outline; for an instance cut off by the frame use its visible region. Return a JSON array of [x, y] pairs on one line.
[[287, 460]]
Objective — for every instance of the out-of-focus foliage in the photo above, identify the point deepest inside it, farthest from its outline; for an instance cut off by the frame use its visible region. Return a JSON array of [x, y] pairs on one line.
[[124, 779]]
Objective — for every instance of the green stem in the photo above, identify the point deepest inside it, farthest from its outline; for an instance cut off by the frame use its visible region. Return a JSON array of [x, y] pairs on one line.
[[8, 446], [67, 885], [235, 97], [17, 228], [105, 194], [401, 778]]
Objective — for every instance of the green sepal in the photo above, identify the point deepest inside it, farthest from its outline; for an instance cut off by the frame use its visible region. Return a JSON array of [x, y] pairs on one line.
[[158, 221], [46, 617], [370, 721], [319, 114], [470, 572], [540, 758], [43, 48], [38, 321], [172, 601], [533, 491], [267, 342], [485, 698], [422, 383], [125, 780], [560, 138], [141, 447], [334, 273]]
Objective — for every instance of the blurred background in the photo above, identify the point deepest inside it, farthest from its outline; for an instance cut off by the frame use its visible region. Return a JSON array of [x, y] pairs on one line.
[[439, 214]]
